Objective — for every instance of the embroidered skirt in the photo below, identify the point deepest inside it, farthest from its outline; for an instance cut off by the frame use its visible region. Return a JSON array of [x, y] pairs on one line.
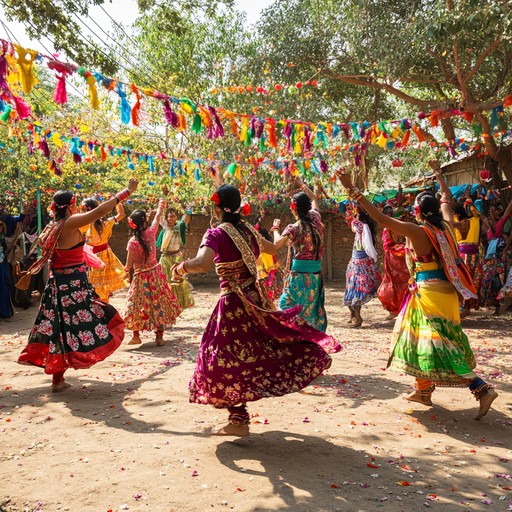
[[306, 290], [151, 304], [182, 290], [362, 280], [109, 279], [428, 341], [73, 328], [248, 353]]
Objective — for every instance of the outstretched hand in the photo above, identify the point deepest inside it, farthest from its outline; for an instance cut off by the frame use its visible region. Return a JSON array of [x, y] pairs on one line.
[[133, 183], [345, 179], [435, 166]]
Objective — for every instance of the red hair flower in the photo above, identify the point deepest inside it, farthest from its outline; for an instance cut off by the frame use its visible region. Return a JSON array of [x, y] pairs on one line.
[[246, 209], [132, 224], [417, 209], [293, 206], [215, 198]]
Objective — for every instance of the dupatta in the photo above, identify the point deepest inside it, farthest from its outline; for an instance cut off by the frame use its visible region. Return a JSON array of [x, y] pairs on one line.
[[249, 257], [48, 240], [457, 273]]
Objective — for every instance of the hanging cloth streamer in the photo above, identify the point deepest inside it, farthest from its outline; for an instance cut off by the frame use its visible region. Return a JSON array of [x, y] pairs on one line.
[[25, 62]]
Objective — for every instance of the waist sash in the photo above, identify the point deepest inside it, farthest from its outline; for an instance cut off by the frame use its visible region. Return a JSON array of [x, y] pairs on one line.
[[306, 266], [431, 275], [359, 255], [100, 248], [468, 248]]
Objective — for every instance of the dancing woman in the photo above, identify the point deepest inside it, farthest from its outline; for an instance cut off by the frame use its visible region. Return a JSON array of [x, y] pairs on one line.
[[304, 284], [151, 305], [249, 350], [170, 242], [395, 283], [110, 278], [493, 265], [428, 341], [73, 328], [362, 277]]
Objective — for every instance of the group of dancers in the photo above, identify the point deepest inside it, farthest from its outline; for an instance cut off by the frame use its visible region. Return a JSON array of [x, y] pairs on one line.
[[250, 348]]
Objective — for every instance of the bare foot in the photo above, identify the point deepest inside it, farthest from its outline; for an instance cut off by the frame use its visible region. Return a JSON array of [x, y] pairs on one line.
[[350, 321], [357, 323], [135, 341], [61, 386], [420, 399], [233, 430], [159, 340], [486, 402], [391, 316]]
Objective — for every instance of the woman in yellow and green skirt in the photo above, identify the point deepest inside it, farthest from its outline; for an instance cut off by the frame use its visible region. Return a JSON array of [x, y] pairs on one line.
[[428, 342]]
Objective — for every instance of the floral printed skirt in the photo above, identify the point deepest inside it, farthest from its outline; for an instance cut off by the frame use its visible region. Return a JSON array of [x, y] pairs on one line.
[[248, 353], [307, 290], [152, 306], [73, 328], [362, 281]]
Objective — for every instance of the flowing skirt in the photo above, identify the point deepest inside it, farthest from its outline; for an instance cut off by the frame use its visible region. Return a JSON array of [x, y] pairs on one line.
[[428, 341], [362, 281], [73, 328], [474, 266], [110, 278], [506, 291], [492, 281], [182, 290], [248, 353], [306, 290], [395, 283], [151, 305]]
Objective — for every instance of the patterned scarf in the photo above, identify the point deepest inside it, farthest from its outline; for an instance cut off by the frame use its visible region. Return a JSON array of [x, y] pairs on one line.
[[48, 240], [446, 246]]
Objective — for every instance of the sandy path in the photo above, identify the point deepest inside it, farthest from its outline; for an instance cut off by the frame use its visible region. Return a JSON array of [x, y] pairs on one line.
[[124, 437]]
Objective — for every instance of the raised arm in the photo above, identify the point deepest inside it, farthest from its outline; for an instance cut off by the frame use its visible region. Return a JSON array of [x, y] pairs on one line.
[[120, 214], [79, 220], [159, 213], [312, 196], [407, 229], [446, 195]]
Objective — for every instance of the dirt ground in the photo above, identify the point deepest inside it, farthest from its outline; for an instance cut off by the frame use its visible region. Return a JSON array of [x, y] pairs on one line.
[[124, 437]]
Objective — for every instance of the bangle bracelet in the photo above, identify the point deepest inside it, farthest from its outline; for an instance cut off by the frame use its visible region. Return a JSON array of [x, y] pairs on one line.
[[181, 270], [444, 201], [303, 187], [123, 195]]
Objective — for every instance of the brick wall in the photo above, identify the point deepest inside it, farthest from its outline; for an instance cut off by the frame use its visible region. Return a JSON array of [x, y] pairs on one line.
[[338, 240]]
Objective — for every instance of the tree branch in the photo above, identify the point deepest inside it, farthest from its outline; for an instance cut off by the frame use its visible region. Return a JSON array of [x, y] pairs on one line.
[[378, 85], [481, 59]]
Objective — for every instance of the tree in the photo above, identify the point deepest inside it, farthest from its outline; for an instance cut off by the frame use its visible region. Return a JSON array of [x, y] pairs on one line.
[[436, 55], [60, 20]]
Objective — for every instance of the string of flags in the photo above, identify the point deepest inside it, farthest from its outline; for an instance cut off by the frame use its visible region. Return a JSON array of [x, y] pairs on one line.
[[300, 139]]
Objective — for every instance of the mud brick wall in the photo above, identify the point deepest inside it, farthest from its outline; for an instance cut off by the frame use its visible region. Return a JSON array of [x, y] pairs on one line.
[[338, 240]]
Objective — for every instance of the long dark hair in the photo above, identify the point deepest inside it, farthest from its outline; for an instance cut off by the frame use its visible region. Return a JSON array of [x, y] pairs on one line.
[[90, 204], [430, 208], [62, 201], [230, 199], [139, 218], [363, 216], [303, 207]]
